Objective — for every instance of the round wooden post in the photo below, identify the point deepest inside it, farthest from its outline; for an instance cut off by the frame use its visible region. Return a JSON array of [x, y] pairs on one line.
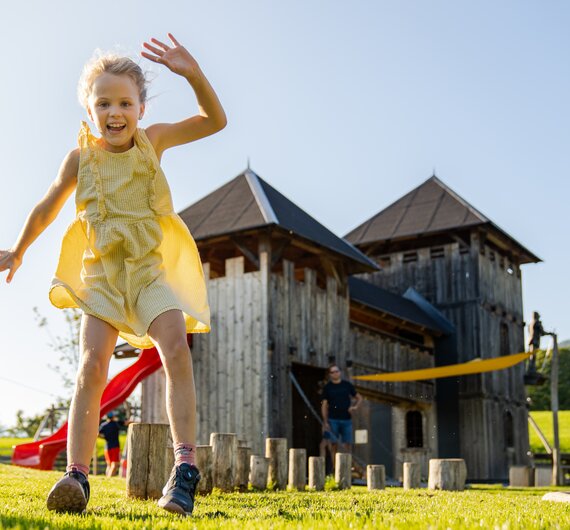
[[343, 470], [375, 477], [224, 458], [447, 474], [317, 473], [276, 451], [243, 463], [147, 470], [411, 475], [204, 462], [297, 469], [259, 467]]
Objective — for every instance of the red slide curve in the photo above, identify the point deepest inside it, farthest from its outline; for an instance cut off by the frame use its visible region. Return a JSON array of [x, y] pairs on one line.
[[42, 454]]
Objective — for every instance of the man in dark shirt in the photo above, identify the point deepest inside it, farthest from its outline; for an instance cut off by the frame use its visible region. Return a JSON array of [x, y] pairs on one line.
[[336, 408], [110, 431]]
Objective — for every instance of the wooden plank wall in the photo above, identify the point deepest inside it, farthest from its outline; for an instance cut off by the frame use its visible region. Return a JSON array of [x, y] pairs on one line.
[[373, 353], [231, 362], [307, 324]]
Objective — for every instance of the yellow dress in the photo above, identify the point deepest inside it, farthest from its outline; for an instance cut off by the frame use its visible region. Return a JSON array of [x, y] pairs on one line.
[[128, 257]]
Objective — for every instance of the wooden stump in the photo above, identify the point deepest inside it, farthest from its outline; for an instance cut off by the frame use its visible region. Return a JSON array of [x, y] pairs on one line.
[[375, 477], [521, 476], [224, 460], [297, 469], [259, 467], [447, 474], [542, 476], [148, 459], [204, 462], [317, 473], [243, 463], [343, 470], [276, 451], [411, 475]]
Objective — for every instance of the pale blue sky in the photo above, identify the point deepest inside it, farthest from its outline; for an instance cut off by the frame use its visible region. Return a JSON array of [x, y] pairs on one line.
[[342, 106]]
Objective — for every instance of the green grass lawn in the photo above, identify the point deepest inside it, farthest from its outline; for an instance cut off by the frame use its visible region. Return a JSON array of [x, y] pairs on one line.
[[23, 492], [544, 420], [7, 443]]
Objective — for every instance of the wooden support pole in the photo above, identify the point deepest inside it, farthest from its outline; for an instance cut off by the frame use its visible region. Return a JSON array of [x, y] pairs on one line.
[[276, 451], [317, 473], [224, 458], [343, 470], [147, 469], [411, 475], [556, 468], [204, 462], [297, 469], [447, 474], [375, 477], [259, 467], [243, 463]]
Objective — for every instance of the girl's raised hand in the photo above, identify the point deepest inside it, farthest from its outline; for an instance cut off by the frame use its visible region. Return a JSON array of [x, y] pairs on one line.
[[9, 260], [177, 58]]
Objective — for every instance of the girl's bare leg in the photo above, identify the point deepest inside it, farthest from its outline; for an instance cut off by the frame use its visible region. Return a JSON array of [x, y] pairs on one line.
[[168, 332], [97, 342]]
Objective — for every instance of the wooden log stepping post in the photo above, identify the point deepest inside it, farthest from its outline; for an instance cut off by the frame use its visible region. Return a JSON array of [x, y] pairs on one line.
[[259, 467], [343, 470], [204, 462], [521, 476], [224, 460], [447, 474], [411, 475], [148, 462], [375, 477], [297, 469], [243, 463], [317, 473], [276, 451]]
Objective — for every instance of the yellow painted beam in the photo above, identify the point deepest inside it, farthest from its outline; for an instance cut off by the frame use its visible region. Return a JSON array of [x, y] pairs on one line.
[[475, 366]]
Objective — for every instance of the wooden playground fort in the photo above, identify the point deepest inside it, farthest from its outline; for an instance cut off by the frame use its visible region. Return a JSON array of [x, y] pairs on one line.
[[429, 281]]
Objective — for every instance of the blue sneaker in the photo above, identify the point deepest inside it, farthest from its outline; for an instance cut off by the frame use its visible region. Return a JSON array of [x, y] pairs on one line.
[[178, 494], [69, 494]]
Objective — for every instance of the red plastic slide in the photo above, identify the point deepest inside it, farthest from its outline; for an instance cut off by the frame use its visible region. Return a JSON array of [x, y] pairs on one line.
[[42, 454]]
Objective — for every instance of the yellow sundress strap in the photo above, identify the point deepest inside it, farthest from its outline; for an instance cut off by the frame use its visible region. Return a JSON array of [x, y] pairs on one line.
[[85, 141], [151, 161]]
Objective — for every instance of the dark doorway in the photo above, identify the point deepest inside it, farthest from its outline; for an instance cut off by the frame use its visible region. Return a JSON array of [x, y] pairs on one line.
[[307, 431]]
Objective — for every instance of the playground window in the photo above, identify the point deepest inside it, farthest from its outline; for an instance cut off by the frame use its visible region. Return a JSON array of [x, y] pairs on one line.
[[410, 257], [437, 252], [414, 429]]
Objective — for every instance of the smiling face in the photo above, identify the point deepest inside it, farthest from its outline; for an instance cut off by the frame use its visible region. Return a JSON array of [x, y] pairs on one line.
[[114, 106]]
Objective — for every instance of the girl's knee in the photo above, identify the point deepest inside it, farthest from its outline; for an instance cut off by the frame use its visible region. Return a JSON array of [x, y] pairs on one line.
[[93, 371], [176, 353]]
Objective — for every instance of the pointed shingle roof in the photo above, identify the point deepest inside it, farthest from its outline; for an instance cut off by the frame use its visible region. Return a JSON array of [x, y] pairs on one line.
[[249, 202], [430, 208]]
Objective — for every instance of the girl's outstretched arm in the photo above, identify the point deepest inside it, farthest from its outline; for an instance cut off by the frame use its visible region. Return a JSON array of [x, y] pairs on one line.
[[43, 214], [211, 117]]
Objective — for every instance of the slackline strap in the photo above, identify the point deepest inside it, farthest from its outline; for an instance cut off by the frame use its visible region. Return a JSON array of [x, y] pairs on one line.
[[476, 366]]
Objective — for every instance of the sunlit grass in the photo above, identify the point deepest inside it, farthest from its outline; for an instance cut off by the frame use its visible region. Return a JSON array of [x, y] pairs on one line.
[[23, 492]]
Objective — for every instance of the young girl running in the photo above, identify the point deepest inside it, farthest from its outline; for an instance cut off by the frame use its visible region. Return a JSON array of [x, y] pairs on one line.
[[127, 260]]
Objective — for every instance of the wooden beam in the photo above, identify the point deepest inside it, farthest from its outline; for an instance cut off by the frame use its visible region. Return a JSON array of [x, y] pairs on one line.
[[278, 251], [250, 255]]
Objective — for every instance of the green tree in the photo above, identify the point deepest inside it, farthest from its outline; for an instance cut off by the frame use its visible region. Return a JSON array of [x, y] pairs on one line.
[[540, 395]]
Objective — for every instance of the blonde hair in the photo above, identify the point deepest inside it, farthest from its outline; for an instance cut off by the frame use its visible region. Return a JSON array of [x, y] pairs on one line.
[[110, 63]]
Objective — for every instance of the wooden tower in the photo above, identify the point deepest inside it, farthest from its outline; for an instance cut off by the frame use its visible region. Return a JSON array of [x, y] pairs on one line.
[[436, 242]]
